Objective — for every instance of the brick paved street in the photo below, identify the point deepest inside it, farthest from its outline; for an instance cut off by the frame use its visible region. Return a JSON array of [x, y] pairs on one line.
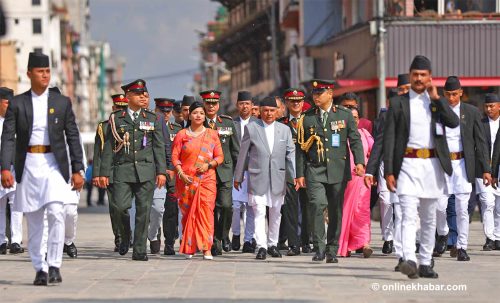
[[99, 275]]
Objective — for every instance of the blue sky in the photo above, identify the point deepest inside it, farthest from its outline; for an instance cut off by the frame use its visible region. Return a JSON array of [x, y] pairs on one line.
[[156, 37]]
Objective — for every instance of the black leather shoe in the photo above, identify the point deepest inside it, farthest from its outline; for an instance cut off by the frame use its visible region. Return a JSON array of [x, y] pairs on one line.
[[331, 258], [441, 245], [71, 250], [155, 246], [489, 245], [54, 275], [318, 256], [169, 250], [261, 255], [41, 278], [396, 269], [387, 248], [274, 252], [425, 271], [293, 251], [3, 249], [306, 249], [282, 246], [235, 243], [248, 248], [409, 268], [453, 252], [140, 257], [16, 249], [124, 247], [497, 244], [226, 245], [462, 255], [219, 247]]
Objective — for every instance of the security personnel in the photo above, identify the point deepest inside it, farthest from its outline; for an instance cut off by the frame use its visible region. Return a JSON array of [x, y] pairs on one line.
[[119, 102], [289, 228], [170, 216], [135, 150], [177, 112], [231, 147], [321, 160]]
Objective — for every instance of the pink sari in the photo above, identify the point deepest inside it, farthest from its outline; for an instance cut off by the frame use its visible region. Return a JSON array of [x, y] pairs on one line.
[[356, 222]]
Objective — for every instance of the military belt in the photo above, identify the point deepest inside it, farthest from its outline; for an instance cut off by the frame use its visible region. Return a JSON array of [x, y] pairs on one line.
[[39, 149], [422, 153]]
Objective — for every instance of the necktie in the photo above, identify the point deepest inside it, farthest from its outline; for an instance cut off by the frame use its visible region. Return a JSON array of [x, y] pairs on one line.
[[211, 124], [325, 117], [136, 115]]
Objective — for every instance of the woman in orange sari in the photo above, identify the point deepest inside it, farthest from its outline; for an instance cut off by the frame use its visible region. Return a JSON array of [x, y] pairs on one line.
[[195, 154]]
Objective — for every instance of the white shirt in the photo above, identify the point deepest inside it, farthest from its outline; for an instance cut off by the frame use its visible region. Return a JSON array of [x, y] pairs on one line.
[[269, 129], [131, 113], [453, 136], [493, 132], [243, 123], [420, 117], [40, 130]]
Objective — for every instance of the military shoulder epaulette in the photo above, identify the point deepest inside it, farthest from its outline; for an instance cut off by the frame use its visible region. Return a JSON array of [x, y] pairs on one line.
[[117, 111], [175, 124], [104, 121], [343, 108], [283, 120], [150, 111], [226, 117], [312, 110]]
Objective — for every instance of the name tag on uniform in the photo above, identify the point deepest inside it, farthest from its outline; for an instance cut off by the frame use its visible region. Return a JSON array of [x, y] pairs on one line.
[[439, 129], [335, 140], [146, 125]]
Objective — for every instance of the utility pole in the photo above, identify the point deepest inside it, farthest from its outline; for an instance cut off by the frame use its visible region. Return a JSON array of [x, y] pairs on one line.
[[381, 97], [274, 48]]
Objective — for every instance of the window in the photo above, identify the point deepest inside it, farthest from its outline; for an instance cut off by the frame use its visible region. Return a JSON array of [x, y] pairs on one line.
[[38, 50], [18, 50], [16, 21], [37, 26], [36, 2]]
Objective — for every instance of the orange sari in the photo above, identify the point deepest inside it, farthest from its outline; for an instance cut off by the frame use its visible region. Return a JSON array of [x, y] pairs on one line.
[[196, 200]]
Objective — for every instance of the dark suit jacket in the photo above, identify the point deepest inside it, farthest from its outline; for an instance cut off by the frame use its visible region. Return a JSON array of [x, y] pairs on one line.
[[495, 159], [378, 146], [476, 151], [397, 132], [62, 130], [237, 125]]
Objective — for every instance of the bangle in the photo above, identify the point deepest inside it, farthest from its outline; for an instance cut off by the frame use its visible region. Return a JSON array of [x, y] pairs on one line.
[[179, 173]]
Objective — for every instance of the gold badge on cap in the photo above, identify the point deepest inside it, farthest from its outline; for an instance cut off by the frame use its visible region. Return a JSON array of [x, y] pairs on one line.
[[51, 110], [295, 93], [121, 96], [315, 83], [139, 83], [212, 94]]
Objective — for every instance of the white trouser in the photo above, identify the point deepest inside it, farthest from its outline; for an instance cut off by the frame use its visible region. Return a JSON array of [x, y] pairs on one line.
[[248, 220], [398, 247], [156, 213], [264, 241], [386, 215], [16, 220], [179, 225], [70, 222], [490, 209], [412, 208], [461, 209], [55, 241]]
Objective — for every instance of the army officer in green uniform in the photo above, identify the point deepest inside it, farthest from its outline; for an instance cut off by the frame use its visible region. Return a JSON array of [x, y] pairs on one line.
[[119, 102], [322, 164], [223, 213], [135, 150]]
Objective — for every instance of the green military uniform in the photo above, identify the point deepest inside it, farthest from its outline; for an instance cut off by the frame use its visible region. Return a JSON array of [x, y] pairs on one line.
[[225, 172], [135, 151], [323, 159], [223, 213], [170, 217], [98, 150]]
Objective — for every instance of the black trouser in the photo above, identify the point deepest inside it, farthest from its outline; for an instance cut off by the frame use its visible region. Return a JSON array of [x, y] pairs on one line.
[[143, 193], [289, 228], [223, 212], [112, 214], [170, 218]]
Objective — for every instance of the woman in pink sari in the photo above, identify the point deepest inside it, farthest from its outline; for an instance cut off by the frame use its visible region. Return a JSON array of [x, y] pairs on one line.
[[195, 154], [355, 232]]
